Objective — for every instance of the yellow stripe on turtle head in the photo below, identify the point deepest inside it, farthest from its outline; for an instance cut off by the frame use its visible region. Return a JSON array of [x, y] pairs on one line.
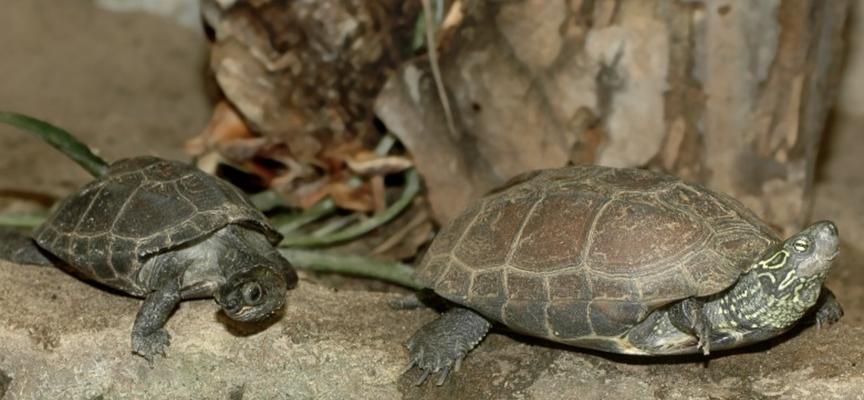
[[777, 261]]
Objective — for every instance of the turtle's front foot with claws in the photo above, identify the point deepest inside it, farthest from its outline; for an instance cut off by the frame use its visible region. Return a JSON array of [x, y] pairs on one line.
[[148, 333], [689, 317], [148, 346], [439, 346], [828, 309]]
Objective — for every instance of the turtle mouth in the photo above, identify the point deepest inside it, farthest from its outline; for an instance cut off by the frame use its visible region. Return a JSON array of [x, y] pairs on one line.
[[249, 314], [241, 313], [833, 256]]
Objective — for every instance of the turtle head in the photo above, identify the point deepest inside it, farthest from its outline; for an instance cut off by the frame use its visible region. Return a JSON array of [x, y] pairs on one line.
[[255, 293], [801, 262], [814, 249]]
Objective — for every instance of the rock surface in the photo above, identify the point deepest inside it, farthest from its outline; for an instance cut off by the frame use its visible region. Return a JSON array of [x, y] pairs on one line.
[[62, 338]]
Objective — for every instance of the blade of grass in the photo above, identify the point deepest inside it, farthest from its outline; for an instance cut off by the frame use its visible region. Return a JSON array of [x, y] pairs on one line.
[[388, 271], [22, 220], [286, 224], [412, 187], [60, 139]]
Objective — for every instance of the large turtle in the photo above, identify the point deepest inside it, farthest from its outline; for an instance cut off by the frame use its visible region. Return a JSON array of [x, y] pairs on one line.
[[618, 260], [164, 231]]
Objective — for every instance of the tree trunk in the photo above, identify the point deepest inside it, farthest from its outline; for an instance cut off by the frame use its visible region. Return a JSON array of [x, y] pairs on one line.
[[733, 94]]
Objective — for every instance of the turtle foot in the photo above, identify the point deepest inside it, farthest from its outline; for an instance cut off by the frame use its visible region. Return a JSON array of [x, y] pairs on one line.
[[408, 302], [21, 249], [413, 301], [688, 317], [440, 346], [148, 346], [829, 311]]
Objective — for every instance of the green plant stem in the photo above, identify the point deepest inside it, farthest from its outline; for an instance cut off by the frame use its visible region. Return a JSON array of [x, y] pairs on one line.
[[412, 187], [267, 200], [290, 223], [60, 139], [388, 271], [22, 220]]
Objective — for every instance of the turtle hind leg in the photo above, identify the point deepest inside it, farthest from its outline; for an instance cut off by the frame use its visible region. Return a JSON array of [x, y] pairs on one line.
[[827, 310], [413, 301], [439, 346], [22, 249]]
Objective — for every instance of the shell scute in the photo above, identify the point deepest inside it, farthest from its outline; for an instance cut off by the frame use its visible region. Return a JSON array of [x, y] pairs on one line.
[[138, 217], [613, 318], [631, 235], [455, 282], [526, 316], [554, 235], [526, 287], [120, 248], [107, 203], [488, 241], [569, 319], [570, 286], [488, 284], [609, 288], [634, 179]]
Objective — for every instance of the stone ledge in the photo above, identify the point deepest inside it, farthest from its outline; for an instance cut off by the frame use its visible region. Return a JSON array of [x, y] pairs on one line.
[[62, 338]]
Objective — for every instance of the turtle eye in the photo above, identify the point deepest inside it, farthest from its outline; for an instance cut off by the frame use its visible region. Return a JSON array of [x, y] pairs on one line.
[[252, 293], [801, 245]]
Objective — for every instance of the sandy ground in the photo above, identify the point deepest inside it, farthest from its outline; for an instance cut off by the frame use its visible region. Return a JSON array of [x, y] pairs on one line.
[[132, 84], [128, 84]]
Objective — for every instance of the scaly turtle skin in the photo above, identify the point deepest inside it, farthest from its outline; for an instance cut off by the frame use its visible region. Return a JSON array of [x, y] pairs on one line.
[[164, 231], [618, 260]]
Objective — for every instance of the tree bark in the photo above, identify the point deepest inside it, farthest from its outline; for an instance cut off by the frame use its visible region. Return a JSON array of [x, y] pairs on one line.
[[732, 94]]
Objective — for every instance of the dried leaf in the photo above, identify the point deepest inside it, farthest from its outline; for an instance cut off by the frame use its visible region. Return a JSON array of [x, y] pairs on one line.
[[351, 198], [364, 165], [225, 125], [240, 150], [379, 200]]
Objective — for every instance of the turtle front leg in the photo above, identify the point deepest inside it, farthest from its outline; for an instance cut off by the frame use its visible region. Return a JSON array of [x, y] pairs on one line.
[[827, 310], [439, 346], [689, 317], [148, 335]]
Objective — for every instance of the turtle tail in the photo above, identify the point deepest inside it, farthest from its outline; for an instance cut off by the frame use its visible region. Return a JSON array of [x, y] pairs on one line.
[[60, 139]]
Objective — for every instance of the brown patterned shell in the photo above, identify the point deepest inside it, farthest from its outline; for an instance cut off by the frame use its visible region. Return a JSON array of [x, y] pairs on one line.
[[141, 207], [581, 252]]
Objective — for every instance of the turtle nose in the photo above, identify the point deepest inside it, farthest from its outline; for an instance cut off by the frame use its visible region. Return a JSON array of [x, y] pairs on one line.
[[831, 228], [824, 229]]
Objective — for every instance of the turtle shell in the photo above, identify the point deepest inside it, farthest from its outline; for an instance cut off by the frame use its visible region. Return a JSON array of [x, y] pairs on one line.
[[583, 253], [141, 207]]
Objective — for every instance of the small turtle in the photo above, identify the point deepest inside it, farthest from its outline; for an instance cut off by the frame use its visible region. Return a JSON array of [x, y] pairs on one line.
[[618, 260], [164, 231]]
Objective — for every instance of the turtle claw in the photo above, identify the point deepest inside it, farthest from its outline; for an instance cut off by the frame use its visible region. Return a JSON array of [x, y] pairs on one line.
[[422, 377], [440, 362], [148, 346], [443, 375], [433, 352], [704, 344], [689, 317]]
